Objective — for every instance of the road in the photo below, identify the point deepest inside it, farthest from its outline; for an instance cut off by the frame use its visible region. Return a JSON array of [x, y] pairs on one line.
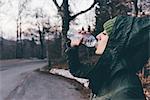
[[18, 81]]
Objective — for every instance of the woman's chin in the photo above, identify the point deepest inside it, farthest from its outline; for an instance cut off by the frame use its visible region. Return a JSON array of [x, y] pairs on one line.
[[98, 52]]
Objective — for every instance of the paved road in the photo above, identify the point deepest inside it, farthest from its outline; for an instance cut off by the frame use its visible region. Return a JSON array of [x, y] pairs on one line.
[[13, 72], [18, 81]]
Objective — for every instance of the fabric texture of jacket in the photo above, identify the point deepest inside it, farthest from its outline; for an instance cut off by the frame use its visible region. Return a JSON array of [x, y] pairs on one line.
[[114, 76]]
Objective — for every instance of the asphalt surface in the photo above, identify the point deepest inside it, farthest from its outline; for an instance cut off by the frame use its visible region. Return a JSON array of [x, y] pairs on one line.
[[18, 81]]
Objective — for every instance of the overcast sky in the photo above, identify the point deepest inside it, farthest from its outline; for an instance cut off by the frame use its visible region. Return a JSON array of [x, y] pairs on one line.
[[9, 13]]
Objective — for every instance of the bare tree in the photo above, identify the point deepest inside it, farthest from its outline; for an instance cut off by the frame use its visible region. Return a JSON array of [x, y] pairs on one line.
[[135, 6], [1, 44], [41, 31], [64, 12], [21, 8]]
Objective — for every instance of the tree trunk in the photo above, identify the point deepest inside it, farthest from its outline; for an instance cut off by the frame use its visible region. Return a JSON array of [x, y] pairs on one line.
[[20, 36], [65, 25], [1, 47], [65, 28], [42, 44], [48, 55], [33, 47], [136, 7], [19, 49]]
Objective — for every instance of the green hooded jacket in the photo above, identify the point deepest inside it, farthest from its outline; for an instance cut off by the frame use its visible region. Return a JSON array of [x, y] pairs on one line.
[[114, 76]]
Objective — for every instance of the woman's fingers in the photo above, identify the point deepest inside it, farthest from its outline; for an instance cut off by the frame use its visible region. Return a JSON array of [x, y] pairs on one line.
[[76, 42]]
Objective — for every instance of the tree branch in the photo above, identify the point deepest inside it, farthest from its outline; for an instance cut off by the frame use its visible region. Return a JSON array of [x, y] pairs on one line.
[[135, 6], [74, 16], [55, 2]]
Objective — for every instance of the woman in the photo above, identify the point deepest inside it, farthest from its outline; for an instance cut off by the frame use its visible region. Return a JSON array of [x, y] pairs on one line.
[[124, 50]]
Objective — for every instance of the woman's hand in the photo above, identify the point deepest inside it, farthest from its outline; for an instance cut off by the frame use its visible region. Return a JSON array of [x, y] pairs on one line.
[[102, 42], [76, 41]]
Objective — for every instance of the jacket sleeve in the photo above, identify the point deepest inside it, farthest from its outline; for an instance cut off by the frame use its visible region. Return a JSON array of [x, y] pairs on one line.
[[77, 68]]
